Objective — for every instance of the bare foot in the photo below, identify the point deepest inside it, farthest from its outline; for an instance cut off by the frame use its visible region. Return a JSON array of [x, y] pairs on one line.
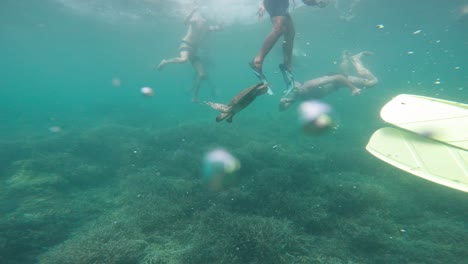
[[285, 103], [360, 54], [356, 91], [256, 65], [367, 52], [161, 65]]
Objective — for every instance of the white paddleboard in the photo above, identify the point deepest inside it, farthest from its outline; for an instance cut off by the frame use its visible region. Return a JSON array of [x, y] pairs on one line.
[[438, 119], [440, 163]]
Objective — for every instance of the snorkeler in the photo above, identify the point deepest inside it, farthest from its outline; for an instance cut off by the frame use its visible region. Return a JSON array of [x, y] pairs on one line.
[[282, 25], [198, 29], [325, 85]]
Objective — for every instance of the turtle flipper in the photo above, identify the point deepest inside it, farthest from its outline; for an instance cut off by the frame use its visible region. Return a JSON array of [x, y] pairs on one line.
[[219, 107], [221, 117]]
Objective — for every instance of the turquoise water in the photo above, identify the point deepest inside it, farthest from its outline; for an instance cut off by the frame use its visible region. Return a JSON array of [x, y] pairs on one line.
[[120, 182]]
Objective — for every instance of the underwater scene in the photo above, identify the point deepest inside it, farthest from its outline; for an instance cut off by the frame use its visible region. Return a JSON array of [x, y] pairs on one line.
[[199, 132]]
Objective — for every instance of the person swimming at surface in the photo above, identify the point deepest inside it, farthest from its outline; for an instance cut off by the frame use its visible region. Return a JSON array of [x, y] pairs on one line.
[[322, 86], [198, 30]]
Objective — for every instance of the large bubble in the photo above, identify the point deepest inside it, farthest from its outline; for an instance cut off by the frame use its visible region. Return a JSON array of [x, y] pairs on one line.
[[219, 169], [315, 117]]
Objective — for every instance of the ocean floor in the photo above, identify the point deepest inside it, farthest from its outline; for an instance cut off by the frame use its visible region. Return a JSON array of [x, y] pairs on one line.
[[117, 194]]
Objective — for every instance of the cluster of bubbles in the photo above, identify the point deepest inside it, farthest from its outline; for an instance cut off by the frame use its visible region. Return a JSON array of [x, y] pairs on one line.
[[226, 12], [117, 10]]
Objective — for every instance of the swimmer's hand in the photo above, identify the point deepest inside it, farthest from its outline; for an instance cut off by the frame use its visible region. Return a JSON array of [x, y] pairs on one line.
[[189, 16], [260, 11]]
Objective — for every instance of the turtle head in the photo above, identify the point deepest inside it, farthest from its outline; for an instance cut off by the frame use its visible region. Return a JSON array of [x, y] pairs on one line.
[[261, 88]]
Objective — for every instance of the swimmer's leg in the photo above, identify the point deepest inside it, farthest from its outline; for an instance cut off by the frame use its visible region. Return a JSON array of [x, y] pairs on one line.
[[199, 77], [344, 65], [183, 58], [361, 70]]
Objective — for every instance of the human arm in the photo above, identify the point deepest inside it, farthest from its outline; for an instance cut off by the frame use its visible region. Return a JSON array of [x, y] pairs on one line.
[[189, 16], [348, 83], [260, 11]]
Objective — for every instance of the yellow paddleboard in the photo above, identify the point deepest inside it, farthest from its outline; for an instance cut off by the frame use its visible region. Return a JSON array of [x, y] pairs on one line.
[[438, 119], [421, 156], [432, 142]]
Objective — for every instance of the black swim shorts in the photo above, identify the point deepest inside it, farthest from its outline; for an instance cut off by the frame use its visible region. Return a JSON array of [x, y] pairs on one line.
[[276, 7]]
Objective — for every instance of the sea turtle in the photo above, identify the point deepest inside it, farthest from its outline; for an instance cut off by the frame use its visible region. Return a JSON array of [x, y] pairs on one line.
[[238, 102]]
